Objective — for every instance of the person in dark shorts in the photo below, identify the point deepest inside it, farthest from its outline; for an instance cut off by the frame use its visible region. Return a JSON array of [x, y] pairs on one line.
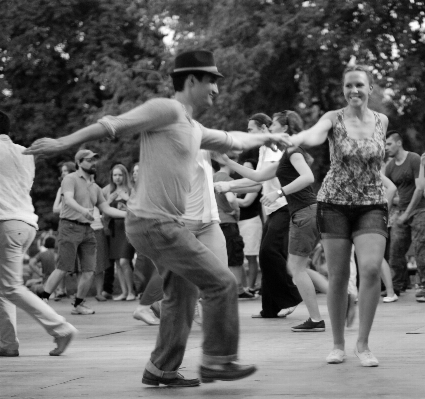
[[295, 177], [80, 195], [352, 206]]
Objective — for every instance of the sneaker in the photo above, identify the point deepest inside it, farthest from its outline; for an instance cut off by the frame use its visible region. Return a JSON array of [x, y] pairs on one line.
[[63, 341], [246, 295], [107, 295], [367, 359], [121, 297], [81, 309], [287, 311], [420, 299], [389, 299], [420, 292], [336, 356], [310, 326]]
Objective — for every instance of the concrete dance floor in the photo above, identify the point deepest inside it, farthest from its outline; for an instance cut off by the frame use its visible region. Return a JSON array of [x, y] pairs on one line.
[[107, 358]]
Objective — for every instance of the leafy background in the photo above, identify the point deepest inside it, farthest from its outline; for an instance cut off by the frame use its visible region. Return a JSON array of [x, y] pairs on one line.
[[64, 64]]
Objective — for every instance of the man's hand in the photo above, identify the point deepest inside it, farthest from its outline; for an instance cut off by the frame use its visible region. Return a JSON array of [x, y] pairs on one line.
[[222, 187], [45, 146], [222, 159], [88, 214], [402, 219], [269, 199], [279, 140]]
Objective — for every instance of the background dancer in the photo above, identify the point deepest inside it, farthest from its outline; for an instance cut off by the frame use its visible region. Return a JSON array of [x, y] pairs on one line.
[[154, 224], [295, 177], [409, 224], [18, 224], [80, 195], [278, 292], [117, 193], [352, 206]]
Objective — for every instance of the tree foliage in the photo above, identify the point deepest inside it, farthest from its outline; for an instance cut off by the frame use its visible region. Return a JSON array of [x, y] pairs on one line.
[[64, 64]]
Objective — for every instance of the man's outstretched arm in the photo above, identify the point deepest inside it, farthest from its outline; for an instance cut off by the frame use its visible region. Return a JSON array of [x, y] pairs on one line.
[[149, 116]]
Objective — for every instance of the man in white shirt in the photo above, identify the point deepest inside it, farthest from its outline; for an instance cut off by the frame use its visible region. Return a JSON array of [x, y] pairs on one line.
[[18, 224], [278, 292]]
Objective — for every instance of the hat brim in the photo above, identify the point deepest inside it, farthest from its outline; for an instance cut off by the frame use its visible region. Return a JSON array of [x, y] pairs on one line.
[[189, 70]]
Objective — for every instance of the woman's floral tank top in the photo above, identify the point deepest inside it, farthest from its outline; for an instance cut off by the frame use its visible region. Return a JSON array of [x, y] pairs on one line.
[[354, 176]]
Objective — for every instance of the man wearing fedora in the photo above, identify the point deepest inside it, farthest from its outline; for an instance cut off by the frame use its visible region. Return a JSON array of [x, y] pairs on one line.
[[170, 142], [80, 195]]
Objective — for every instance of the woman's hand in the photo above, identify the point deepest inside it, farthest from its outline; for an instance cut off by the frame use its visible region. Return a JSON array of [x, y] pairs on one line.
[[268, 199]]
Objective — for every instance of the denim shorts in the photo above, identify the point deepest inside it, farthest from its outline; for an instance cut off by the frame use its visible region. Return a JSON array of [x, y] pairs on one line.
[[234, 244], [349, 221], [303, 233]]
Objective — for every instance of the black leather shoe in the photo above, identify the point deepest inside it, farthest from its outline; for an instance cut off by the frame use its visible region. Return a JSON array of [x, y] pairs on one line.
[[228, 372], [9, 352], [178, 382]]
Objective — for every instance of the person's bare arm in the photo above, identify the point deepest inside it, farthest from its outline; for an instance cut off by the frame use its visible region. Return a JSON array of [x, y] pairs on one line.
[[151, 115], [58, 202], [416, 198], [247, 200], [317, 134], [240, 186], [232, 200], [304, 179], [111, 212], [390, 190], [68, 199]]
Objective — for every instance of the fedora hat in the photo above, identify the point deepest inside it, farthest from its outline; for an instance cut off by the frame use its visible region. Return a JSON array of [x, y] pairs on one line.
[[195, 61]]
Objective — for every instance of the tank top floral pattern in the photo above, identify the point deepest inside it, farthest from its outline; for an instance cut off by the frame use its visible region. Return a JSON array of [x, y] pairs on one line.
[[354, 176]]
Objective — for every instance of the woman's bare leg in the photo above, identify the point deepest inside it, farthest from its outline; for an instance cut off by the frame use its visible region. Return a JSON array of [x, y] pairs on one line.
[[370, 252], [337, 253]]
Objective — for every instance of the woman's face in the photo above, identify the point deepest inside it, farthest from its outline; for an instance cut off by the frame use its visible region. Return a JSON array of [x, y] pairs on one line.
[[135, 172], [356, 88], [248, 165], [64, 171], [276, 127], [117, 176]]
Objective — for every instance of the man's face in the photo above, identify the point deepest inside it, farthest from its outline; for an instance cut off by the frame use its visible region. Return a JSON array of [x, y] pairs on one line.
[[253, 127], [204, 91], [89, 165], [392, 146]]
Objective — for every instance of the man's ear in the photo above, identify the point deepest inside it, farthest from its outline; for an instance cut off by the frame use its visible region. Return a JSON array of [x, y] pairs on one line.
[[285, 128]]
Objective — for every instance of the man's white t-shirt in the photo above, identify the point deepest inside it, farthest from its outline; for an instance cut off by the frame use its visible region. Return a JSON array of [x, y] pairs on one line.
[[266, 154], [201, 203]]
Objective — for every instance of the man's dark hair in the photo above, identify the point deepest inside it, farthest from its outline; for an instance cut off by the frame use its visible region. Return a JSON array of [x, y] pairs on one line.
[[261, 119], [395, 135], [49, 242], [179, 79], [4, 124]]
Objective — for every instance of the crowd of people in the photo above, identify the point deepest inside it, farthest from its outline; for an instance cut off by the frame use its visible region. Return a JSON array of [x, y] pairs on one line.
[[176, 230]]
